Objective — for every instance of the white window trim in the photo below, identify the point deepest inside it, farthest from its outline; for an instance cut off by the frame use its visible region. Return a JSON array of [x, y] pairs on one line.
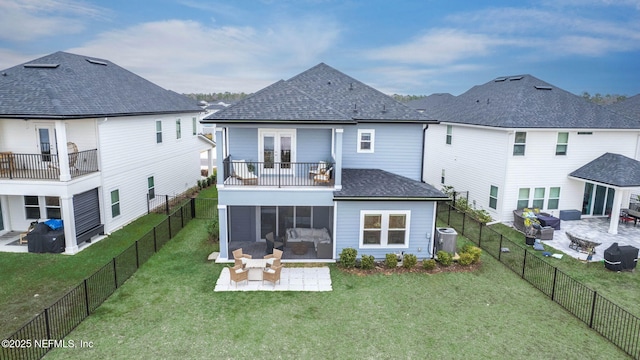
[[111, 203], [194, 130], [373, 140], [384, 229], [159, 132], [178, 129]]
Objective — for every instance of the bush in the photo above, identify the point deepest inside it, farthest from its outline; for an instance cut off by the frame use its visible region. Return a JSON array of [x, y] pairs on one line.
[[429, 264], [213, 230], [444, 258], [465, 259], [348, 257], [391, 261], [367, 262], [473, 250], [409, 261]]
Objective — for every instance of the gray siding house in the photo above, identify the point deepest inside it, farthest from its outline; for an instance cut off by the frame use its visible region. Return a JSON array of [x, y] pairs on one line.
[[324, 160]]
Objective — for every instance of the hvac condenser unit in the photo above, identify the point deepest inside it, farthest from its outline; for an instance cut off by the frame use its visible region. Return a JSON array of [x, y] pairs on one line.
[[446, 240]]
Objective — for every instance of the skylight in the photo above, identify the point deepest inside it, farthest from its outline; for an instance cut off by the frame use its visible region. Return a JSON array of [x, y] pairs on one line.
[[500, 79], [543, 87], [96, 62], [41, 66], [513, 78]]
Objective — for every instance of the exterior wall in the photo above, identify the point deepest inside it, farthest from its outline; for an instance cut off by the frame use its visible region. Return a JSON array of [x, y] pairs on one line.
[[475, 160], [397, 149], [273, 196], [129, 155], [421, 227], [20, 136], [243, 143]]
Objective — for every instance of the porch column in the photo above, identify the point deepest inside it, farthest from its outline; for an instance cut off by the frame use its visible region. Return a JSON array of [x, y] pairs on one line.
[[338, 165], [224, 237], [210, 163], [63, 153], [219, 160], [69, 223], [615, 212]]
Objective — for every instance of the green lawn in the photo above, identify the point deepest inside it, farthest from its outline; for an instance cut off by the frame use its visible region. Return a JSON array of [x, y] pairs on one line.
[[168, 310]]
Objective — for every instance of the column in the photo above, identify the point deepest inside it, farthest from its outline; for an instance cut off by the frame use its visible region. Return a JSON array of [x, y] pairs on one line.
[[615, 212], [338, 159], [63, 153], [69, 222], [222, 226], [219, 157]]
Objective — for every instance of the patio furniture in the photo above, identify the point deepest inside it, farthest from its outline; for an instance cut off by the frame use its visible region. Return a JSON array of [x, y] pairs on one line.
[[570, 214], [255, 268], [320, 169], [272, 274], [618, 258], [7, 162], [237, 274], [277, 254], [543, 233], [241, 172], [272, 244], [323, 177], [320, 238], [549, 220], [238, 255], [299, 248], [581, 244]]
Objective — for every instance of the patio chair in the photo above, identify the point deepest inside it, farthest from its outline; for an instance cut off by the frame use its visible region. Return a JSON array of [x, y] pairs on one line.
[[237, 274], [320, 169], [238, 255], [272, 274], [324, 177], [272, 244], [241, 171]]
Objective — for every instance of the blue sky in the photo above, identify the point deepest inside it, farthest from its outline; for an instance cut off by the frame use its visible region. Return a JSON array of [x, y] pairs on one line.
[[406, 47]]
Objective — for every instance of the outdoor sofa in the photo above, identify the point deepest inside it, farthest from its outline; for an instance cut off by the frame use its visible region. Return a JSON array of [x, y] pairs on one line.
[[319, 237], [542, 233]]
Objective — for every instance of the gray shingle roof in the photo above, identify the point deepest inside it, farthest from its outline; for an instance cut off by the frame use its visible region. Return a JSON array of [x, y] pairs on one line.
[[64, 85], [430, 101], [525, 101], [375, 184], [629, 107], [612, 169], [320, 94]]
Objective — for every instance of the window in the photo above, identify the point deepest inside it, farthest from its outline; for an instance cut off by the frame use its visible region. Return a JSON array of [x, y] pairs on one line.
[[519, 144], [449, 134], [366, 140], [388, 228], [151, 187], [538, 198], [493, 197], [554, 198], [115, 203], [523, 198], [158, 131], [53, 207], [563, 141], [32, 207], [194, 126], [178, 129], [442, 177]]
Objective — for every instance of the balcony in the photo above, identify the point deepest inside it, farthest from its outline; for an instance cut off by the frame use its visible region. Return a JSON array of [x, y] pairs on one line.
[[277, 174], [46, 166]]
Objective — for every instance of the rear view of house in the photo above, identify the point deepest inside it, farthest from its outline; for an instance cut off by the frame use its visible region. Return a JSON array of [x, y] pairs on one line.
[[319, 163], [84, 140]]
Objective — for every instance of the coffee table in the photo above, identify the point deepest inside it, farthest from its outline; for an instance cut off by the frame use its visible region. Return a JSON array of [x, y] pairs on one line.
[[299, 248], [255, 268]]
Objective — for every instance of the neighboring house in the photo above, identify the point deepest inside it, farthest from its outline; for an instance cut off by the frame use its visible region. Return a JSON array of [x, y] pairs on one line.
[[518, 142], [629, 107], [324, 151], [85, 141]]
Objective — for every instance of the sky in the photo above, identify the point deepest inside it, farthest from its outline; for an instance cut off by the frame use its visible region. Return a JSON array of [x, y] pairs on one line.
[[399, 47]]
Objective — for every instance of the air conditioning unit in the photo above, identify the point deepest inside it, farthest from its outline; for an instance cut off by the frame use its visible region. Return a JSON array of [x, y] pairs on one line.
[[446, 239]]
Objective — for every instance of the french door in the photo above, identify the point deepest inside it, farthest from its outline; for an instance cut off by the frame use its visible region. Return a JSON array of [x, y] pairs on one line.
[[46, 141], [277, 151]]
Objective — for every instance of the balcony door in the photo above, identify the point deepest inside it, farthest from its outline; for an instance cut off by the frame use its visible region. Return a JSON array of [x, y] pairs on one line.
[[277, 150], [46, 141]]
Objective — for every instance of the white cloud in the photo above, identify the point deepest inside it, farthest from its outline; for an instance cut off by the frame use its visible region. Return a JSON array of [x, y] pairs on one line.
[[29, 19], [187, 56]]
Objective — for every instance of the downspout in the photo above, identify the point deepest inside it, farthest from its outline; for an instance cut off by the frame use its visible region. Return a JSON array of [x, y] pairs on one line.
[[435, 216], [424, 137]]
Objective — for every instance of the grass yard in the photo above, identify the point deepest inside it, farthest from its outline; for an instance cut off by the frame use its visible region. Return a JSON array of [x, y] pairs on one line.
[[168, 310]]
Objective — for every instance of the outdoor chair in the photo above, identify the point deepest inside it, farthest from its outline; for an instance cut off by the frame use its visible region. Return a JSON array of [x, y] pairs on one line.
[[237, 274], [320, 169], [323, 177], [272, 274], [272, 244], [241, 171], [238, 255]]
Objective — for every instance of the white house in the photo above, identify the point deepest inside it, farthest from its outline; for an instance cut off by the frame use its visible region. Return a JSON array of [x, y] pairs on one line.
[[518, 141], [85, 141]]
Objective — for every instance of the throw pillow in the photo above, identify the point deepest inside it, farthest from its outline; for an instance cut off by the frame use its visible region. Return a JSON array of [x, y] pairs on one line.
[[238, 271], [244, 260], [270, 261], [270, 271]]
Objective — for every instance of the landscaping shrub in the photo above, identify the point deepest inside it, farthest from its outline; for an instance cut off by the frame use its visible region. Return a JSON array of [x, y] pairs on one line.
[[391, 261], [213, 230], [429, 264], [348, 257], [465, 259], [444, 258], [409, 261], [367, 262], [473, 250]]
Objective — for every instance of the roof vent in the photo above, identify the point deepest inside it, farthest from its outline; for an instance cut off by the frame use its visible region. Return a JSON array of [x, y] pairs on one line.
[[355, 108], [97, 62], [351, 86], [543, 87], [384, 108], [513, 78], [41, 66], [500, 79]]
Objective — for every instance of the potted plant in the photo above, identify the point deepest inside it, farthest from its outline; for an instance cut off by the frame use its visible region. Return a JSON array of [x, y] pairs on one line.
[[531, 225]]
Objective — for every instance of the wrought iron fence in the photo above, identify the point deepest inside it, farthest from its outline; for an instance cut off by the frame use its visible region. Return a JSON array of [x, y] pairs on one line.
[[610, 320], [278, 174], [48, 329], [47, 166]]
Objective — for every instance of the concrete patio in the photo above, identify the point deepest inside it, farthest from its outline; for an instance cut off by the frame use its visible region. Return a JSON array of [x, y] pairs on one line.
[[594, 229], [291, 279]]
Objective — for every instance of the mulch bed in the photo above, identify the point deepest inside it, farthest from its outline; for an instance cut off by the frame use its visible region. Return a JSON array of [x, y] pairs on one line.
[[381, 269]]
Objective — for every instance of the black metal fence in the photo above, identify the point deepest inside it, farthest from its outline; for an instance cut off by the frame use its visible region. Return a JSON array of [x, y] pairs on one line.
[[611, 321], [48, 329], [47, 166], [278, 174]]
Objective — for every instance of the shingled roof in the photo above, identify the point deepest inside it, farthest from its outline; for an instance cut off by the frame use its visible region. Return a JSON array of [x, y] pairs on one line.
[[321, 94], [629, 107], [524, 101], [66, 86], [375, 184], [611, 169]]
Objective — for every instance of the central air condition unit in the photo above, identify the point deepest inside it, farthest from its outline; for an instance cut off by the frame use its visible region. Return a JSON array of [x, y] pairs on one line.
[[446, 240]]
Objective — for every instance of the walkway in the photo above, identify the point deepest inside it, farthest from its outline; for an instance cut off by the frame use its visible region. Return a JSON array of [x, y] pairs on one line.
[[594, 229], [291, 279]]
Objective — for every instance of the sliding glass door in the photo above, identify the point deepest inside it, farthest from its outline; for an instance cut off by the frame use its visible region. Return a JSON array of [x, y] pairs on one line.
[[597, 200], [278, 219]]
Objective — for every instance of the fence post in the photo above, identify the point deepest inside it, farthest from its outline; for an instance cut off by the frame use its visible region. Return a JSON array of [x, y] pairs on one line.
[[148, 206], [193, 208], [86, 295], [593, 309], [524, 262], [46, 322], [169, 223], [182, 217], [480, 235], [155, 241], [553, 289], [449, 214], [115, 274], [464, 219], [137, 256], [166, 204], [500, 249]]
